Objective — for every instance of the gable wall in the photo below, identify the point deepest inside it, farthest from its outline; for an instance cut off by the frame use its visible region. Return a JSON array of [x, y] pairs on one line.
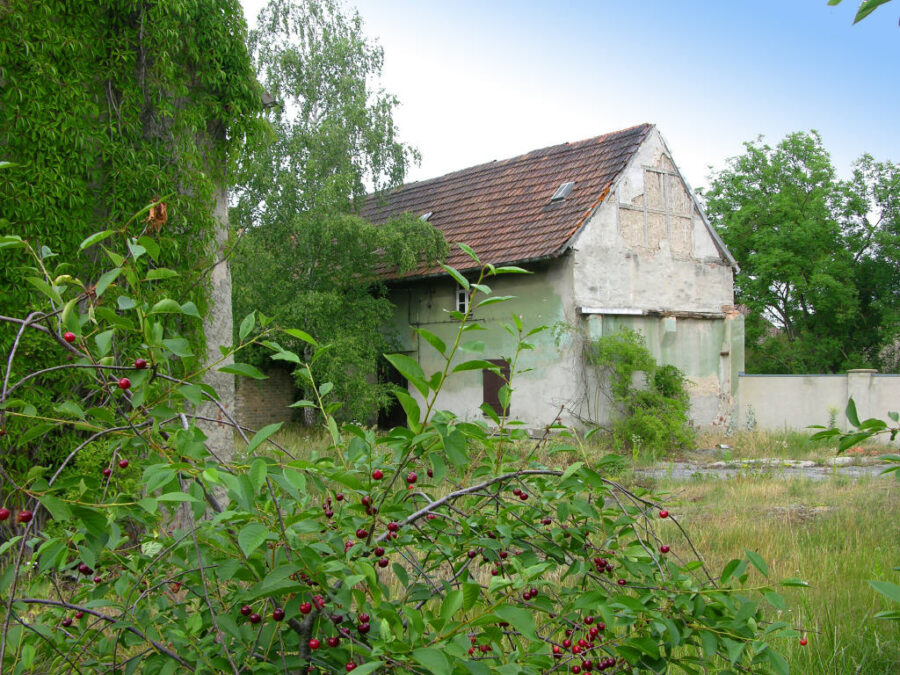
[[646, 247]]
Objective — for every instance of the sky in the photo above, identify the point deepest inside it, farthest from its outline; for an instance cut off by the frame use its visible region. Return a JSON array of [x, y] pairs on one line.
[[479, 81]]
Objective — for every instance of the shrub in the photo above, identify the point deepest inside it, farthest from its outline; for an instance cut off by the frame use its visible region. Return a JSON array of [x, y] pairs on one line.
[[428, 550], [652, 413]]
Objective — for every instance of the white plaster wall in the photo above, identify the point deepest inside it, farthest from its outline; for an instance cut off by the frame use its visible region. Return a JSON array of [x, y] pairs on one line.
[[618, 266], [778, 402], [551, 381]]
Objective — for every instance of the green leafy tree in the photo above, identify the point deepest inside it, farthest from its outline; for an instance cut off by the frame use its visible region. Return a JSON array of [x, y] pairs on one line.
[[818, 255], [304, 257]]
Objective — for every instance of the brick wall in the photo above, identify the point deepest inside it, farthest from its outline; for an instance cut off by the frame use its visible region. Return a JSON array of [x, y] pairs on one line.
[[262, 402]]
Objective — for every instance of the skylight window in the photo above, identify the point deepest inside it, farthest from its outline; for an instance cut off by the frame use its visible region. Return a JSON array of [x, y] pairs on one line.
[[562, 192], [426, 216]]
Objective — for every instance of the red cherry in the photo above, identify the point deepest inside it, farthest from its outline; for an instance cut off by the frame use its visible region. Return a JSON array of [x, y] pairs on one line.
[[278, 614], [339, 496], [523, 496], [255, 618], [333, 641], [4, 514], [363, 628], [663, 514], [362, 533], [589, 620], [66, 622], [350, 666], [123, 463], [378, 474], [803, 642], [576, 669], [621, 582], [383, 562], [411, 477], [664, 549], [430, 473], [567, 643], [140, 364], [79, 614], [314, 643], [246, 610], [69, 337], [97, 579], [24, 517], [393, 527], [124, 383], [556, 650], [305, 608], [107, 472], [379, 551], [363, 617]]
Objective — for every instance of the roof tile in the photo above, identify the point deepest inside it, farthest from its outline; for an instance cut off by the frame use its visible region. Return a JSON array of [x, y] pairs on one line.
[[502, 209]]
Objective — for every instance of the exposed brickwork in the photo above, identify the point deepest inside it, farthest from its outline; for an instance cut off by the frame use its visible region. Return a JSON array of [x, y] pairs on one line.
[[262, 402]]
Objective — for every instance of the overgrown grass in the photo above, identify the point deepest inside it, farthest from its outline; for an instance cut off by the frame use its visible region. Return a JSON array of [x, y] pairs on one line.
[[833, 534]]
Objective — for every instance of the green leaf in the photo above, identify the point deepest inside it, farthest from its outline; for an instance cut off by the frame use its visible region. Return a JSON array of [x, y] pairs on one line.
[[471, 593], [469, 251], [410, 407], [95, 238], [887, 589], [160, 273], [451, 604], [368, 667], [476, 364], [433, 659], [104, 341], [252, 536], [262, 435], [179, 347], [852, 416], [520, 619], [411, 370], [511, 269], [243, 369], [794, 582], [247, 325], [69, 316], [177, 497], [301, 335], [106, 280], [757, 562], [166, 306], [258, 471], [57, 508], [433, 340], [460, 279], [11, 241], [45, 288], [190, 309], [494, 299], [866, 8]]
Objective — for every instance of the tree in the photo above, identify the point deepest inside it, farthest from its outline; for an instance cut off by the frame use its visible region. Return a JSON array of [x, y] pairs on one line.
[[818, 255], [304, 257]]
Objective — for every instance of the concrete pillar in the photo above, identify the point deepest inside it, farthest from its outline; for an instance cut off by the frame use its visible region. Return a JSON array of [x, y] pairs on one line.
[[860, 389]]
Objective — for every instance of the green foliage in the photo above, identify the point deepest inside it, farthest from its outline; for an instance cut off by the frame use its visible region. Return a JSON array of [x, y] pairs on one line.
[[818, 256], [304, 257], [486, 562], [109, 104], [866, 7], [650, 415]]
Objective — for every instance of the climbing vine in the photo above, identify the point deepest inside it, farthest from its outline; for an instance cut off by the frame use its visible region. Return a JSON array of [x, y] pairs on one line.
[[105, 104]]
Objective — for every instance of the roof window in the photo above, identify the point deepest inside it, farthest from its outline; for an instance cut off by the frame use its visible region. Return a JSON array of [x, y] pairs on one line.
[[562, 192], [426, 216]]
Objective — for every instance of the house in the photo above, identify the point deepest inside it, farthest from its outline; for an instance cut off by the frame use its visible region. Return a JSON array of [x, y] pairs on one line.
[[614, 238]]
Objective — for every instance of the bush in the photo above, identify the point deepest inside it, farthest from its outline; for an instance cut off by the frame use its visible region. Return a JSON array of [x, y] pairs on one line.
[[428, 550], [648, 415]]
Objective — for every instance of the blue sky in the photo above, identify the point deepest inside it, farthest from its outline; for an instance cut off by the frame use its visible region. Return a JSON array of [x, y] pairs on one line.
[[487, 80]]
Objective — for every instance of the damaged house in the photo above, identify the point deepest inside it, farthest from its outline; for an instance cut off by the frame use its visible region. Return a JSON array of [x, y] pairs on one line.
[[614, 238]]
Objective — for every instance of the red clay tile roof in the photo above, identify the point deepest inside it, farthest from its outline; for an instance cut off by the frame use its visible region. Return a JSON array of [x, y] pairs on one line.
[[503, 210]]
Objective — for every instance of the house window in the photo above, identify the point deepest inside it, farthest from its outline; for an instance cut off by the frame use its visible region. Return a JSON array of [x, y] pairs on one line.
[[491, 384], [462, 299]]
